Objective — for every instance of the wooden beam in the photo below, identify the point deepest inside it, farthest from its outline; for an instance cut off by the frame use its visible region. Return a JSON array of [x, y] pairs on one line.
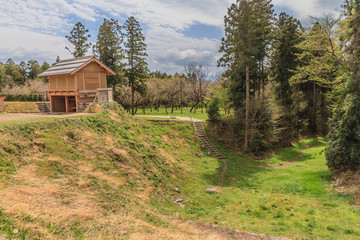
[[77, 102], [66, 104], [67, 82], [99, 80], [83, 81], [91, 72], [76, 83], [51, 104]]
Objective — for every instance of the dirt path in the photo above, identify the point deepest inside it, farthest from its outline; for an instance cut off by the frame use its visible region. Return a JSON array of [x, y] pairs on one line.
[[291, 162], [11, 117]]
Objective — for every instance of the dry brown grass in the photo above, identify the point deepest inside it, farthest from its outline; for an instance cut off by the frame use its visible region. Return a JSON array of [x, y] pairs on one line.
[[21, 107], [347, 183], [94, 190]]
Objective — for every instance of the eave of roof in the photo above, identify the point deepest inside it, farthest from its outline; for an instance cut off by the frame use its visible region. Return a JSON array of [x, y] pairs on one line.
[[72, 66]]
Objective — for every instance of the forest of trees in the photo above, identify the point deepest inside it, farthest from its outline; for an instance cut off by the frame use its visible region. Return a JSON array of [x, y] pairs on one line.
[[280, 80]]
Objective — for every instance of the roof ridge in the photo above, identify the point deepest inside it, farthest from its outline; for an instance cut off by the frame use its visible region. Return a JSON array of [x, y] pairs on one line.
[[78, 58]]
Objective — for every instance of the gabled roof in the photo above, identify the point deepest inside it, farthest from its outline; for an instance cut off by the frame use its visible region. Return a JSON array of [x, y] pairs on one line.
[[72, 66]]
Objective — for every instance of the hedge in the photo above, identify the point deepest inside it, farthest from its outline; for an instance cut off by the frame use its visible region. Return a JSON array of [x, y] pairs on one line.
[[10, 97]]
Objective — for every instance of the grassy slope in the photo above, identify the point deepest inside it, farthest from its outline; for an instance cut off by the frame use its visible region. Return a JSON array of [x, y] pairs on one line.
[[95, 177], [294, 201], [21, 107], [62, 179], [177, 113]]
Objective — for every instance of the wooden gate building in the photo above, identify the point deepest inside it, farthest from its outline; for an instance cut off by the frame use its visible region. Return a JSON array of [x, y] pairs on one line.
[[74, 83]]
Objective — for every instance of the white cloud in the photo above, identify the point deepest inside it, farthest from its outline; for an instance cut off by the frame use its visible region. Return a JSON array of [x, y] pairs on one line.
[[27, 27], [25, 44], [305, 8]]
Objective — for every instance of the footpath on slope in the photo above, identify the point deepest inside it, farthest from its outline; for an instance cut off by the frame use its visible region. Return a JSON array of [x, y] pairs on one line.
[[226, 233], [290, 162], [213, 151]]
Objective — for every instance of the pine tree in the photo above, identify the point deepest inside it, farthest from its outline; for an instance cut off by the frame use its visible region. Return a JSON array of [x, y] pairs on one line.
[[2, 75], [316, 72], [285, 57], [109, 51], [13, 70], [78, 38], [247, 30], [136, 71], [34, 69], [343, 150], [284, 61]]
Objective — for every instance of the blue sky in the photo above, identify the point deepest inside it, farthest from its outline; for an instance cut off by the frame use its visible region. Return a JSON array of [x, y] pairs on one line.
[[177, 32]]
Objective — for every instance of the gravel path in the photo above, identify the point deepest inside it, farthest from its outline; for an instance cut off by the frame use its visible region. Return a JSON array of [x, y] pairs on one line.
[[10, 117], [170, 117]]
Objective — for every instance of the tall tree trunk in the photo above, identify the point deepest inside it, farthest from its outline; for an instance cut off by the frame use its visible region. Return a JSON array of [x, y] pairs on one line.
[[298, 112], [181, 96], [263, 79], [247, 108], [259, 80], [132, 99], [314, 108], [323, 114]]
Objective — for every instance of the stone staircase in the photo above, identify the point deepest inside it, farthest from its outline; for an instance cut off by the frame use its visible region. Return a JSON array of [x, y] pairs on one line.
[[205, 141], [213, 151], [84, 106], [43, 107]]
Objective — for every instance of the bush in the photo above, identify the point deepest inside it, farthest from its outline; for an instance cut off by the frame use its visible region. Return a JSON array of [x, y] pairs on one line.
[[343, 150], [213, 110], [11, 97]]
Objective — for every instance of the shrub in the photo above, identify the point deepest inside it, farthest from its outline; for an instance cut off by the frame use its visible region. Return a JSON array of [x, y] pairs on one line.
[[12, 97], [343, 150], [213, 110]]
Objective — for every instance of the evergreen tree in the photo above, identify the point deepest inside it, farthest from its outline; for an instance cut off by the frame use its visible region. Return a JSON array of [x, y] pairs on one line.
[[285, 57], [136, 71], [45, 66], [23, 68], [247, 35], [78, 38], [284, 61], [316, 73], [13, 70], [109, 51], [213, 110], [34, 69], [264, 25], [2, 75], [343, 150]]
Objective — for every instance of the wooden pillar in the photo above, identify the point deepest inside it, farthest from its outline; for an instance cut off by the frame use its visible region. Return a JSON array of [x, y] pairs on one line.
[[99, 80], [77, 102], [76, 83], [51, 104], [66, 104], [67, 82], [56, 83], [83, 75]]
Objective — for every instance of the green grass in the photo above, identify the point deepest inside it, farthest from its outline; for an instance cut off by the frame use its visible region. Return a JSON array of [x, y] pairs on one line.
[[292, 202], [201, 115]]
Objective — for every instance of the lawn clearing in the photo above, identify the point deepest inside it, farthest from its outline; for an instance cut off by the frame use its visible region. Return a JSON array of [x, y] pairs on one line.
[[293, 202]]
